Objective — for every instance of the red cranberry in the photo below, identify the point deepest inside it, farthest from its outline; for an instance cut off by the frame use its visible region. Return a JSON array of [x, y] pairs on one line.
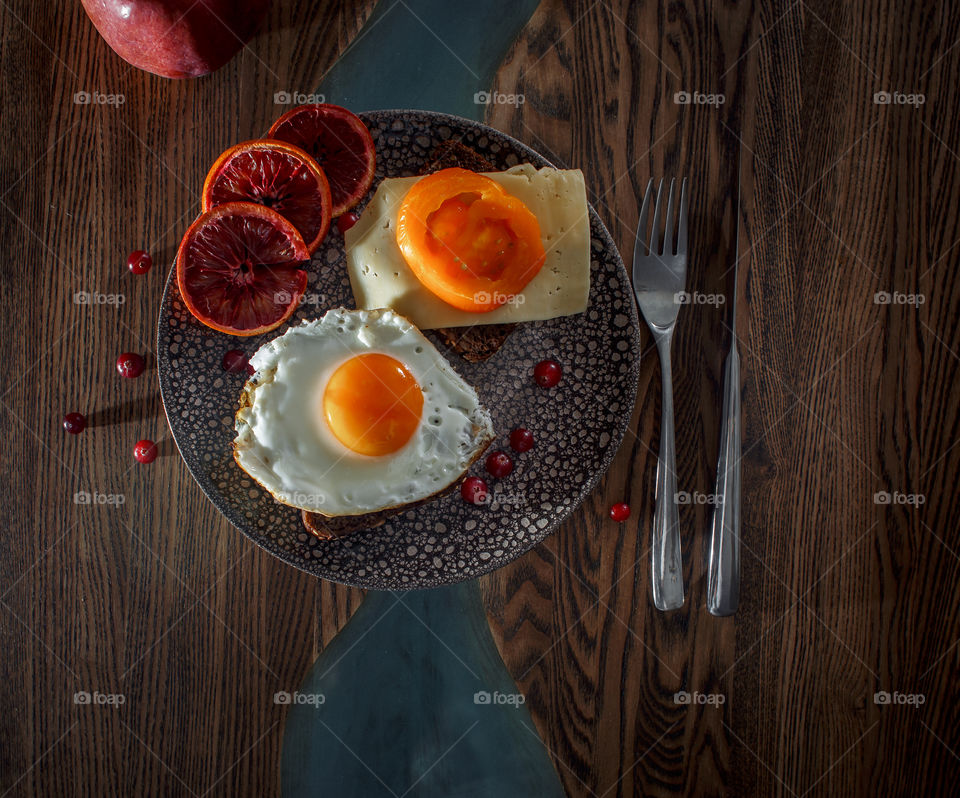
[[499, 464], [521, 440], [236, 361], [74, 423], [139, 262], [346, 221], [620, 512], [145, 451], [130, 364], [547, 373], [474, 490]]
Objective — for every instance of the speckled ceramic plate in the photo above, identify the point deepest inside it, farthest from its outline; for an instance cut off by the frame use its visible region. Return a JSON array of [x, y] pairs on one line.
[[578, 425]]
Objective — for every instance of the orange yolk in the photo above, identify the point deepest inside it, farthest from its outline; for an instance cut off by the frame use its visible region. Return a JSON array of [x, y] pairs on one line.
[[372, 404], [467, 240]]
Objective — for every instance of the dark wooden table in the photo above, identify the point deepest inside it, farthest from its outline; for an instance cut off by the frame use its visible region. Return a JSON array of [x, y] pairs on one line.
[[845, 198]]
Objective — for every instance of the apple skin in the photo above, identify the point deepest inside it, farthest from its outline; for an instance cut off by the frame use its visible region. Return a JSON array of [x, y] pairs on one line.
[[176, 38]]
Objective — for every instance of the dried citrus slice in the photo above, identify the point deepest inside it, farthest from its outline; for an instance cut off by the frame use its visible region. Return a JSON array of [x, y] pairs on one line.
[[339, 141], [239, 268], [278, 175]]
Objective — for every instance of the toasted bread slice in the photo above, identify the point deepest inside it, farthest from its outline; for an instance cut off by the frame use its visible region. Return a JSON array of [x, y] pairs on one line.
[[453, 153], [327, 527], [471, 343], [475, 343]]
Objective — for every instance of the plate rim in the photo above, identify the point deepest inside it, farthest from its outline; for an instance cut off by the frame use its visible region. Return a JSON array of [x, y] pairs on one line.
[[480, 568]]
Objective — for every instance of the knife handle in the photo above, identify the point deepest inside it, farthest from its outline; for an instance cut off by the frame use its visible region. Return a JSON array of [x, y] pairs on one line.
[[723, 573]]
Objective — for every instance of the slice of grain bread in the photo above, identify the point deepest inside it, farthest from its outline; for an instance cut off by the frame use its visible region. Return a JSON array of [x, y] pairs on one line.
[[331, 527], [471, 343]]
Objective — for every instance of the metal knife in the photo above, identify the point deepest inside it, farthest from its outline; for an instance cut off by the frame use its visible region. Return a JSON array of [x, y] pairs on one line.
[[723, 572]]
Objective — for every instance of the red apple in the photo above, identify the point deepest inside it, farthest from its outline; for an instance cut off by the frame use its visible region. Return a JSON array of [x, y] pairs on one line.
[[176, 38]]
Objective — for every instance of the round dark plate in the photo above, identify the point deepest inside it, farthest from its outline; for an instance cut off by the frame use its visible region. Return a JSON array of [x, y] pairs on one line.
[[578, 425]]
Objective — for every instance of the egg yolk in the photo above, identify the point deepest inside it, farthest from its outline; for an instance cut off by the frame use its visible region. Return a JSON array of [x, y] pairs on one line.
[[372, 404]]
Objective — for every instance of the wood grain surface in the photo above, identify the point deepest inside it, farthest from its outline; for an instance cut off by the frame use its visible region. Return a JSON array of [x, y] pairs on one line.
[[846, 202]]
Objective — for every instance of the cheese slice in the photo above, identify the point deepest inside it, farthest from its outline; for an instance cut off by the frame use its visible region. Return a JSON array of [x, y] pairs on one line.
[[380, 277]]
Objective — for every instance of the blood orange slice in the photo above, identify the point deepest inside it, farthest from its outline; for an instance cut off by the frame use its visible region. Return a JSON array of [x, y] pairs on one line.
[[338, 141], [278, 175], [238, 268]]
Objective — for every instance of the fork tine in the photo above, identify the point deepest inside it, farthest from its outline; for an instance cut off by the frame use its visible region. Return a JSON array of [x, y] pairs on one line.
[[642, 226], [655, 231], [682, 233], [668, 238]]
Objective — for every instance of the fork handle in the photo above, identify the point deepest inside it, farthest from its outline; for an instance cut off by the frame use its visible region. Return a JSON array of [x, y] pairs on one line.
[[723, 571], [667, 562]]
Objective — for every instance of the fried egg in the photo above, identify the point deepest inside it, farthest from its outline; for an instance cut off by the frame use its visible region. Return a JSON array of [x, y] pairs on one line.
[[354, 413]]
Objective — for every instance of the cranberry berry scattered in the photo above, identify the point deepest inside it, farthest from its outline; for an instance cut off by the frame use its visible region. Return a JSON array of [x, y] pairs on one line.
[[346, 221], [139, 262], [620, 512], [74, 423], [474, 490], [236, 361], [547, 373], [521, 440], [145, 451], [130, 364], [499, 464]]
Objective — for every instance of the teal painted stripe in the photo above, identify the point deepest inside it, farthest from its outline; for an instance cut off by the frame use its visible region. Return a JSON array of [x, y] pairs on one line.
[[432, 55], [395, 704], [412, 699]]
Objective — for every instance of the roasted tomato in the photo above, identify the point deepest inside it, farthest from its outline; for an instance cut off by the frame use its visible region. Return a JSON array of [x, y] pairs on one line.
[[467, 240]]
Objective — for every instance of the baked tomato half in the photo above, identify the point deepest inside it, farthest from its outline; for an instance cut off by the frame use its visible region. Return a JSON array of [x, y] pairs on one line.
[[467, 240]]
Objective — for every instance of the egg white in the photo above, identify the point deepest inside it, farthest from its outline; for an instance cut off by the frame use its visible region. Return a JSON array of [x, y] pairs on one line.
[[284, 443]]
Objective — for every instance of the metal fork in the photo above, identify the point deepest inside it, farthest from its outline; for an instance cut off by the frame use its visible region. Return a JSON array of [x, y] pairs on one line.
[[659, 276]]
